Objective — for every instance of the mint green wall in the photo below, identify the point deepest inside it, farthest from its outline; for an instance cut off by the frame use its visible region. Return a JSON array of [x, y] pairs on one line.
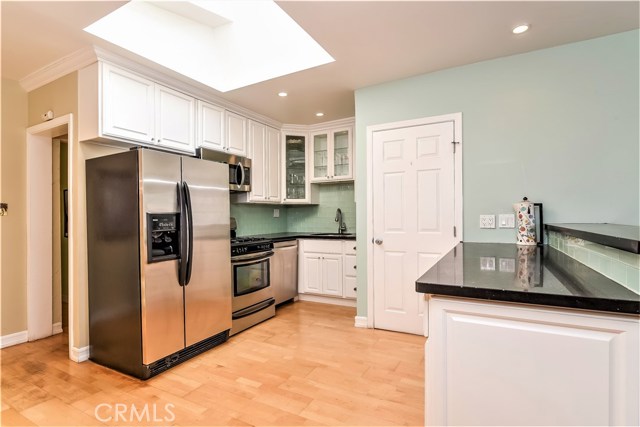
[[558, 125], [258, 219]]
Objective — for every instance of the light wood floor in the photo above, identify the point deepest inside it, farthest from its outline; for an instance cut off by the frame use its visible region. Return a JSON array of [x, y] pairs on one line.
[[306, 366]]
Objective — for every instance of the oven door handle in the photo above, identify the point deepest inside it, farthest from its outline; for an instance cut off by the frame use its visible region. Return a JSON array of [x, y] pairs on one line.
[[248, 259], [253, 309]]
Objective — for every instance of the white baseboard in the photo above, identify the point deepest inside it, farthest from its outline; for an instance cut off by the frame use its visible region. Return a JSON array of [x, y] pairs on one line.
[[361, 322], [79, 354], [327, 300], [13, 339], [57, 328]]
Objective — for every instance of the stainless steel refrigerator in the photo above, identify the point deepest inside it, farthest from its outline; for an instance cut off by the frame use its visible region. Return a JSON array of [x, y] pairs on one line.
[[159, 259]]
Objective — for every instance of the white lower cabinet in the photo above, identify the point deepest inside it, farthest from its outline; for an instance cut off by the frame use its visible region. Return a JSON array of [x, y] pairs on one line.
[[323, 268], [511, 364]]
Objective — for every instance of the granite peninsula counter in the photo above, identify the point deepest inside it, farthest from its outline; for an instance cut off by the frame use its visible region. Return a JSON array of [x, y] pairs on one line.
[[525, 274], [528, 336]]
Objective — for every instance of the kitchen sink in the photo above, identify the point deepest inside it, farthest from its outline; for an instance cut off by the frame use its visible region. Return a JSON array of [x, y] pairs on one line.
[[334, 234]]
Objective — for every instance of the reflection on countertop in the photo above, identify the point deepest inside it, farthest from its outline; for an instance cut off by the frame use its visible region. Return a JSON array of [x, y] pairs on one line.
[[525, 274], [284, 236]]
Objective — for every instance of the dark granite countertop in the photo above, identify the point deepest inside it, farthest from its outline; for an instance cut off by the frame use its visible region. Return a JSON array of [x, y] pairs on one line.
[[625, 237], [525, 274], [283, 237]]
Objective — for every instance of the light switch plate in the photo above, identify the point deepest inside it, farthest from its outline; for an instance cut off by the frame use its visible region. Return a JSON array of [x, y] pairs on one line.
[[487, 221], [506, 221], [276, 213]]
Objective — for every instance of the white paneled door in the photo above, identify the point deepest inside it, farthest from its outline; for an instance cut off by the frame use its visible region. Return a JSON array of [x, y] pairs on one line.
[[413, 217]]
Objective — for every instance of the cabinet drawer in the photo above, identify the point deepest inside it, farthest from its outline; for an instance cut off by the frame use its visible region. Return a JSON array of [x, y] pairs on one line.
[[322, 246], [349, 247], [350, 265]]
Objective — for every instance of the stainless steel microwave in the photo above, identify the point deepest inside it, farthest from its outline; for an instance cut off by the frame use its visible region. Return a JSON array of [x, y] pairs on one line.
[[239, 168]]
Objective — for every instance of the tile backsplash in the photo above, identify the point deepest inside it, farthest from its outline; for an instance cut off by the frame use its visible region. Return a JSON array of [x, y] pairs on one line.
[[618, 265], [321, 217], [258, 219]]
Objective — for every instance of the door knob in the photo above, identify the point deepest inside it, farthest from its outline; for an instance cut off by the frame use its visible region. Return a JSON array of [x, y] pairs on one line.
[[378, 241]]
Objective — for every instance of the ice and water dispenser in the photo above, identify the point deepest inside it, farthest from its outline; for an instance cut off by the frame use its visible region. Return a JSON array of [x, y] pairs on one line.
[[163, 236]]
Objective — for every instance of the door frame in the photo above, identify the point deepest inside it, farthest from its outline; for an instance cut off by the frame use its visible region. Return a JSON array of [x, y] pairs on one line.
[[39, 141], [456, 118]]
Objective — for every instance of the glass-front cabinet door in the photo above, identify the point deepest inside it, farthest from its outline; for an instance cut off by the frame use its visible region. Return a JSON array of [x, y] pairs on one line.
[[342, 154], [295, 167], [320, 144], [332, 155]]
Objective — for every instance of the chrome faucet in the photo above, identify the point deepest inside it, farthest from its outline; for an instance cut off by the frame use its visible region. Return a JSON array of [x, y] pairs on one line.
[[342, 227]]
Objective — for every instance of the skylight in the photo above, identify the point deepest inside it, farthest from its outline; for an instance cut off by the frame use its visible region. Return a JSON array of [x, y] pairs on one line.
[[223, 44]]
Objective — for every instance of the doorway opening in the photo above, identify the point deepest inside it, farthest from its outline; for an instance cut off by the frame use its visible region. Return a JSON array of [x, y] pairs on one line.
[[49, 251], [60, 242]]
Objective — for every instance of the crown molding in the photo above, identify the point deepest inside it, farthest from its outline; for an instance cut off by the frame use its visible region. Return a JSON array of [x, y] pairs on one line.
[[87, 56], [289, 127], [63, 66]]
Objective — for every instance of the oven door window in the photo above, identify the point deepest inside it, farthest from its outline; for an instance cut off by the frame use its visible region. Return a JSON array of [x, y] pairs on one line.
[[250, 277]]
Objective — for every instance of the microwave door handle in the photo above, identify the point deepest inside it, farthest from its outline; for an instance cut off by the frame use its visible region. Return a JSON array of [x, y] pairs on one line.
[[189, 210], [182, 262], [241, 169]]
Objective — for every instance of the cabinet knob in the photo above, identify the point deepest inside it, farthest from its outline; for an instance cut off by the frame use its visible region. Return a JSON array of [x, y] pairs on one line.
[[355, 266], [378, 241], [354, 248], [355, 289]]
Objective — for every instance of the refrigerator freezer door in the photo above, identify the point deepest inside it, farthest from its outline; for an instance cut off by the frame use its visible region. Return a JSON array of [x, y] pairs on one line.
[[161, 293], [208, 293]]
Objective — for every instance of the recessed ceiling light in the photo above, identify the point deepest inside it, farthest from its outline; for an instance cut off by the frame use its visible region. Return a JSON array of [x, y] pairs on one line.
[[520, 29], [319, 114], [282, 94]]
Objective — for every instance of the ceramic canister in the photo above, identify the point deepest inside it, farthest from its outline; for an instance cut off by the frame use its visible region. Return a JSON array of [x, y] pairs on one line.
[[525, 223]]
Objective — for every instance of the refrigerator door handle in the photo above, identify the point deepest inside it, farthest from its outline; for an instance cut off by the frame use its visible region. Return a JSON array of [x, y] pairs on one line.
[[182, 263], [189, 211]]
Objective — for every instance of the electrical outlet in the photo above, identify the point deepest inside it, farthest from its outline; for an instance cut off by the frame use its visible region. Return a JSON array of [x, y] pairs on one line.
[[507, 265], [506, 221], [487, 221], [487, 263], [276, 213]]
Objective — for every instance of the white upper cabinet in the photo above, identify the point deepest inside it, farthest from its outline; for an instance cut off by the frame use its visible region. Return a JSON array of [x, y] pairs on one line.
[[210, 127], [127, 105], [257, 151], [274, 165], [264, 151], [121, 105], [332, 155], [175, 122], [236, 133]]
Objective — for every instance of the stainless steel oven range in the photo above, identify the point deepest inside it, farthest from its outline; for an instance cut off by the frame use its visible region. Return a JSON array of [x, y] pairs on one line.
[[253, 300]]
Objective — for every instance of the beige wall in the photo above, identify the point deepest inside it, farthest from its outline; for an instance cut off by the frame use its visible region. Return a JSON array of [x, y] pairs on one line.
[[13, 271], [61, 96]]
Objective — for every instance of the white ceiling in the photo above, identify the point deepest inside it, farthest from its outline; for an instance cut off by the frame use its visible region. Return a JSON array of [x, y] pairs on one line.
[[372, 42]]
